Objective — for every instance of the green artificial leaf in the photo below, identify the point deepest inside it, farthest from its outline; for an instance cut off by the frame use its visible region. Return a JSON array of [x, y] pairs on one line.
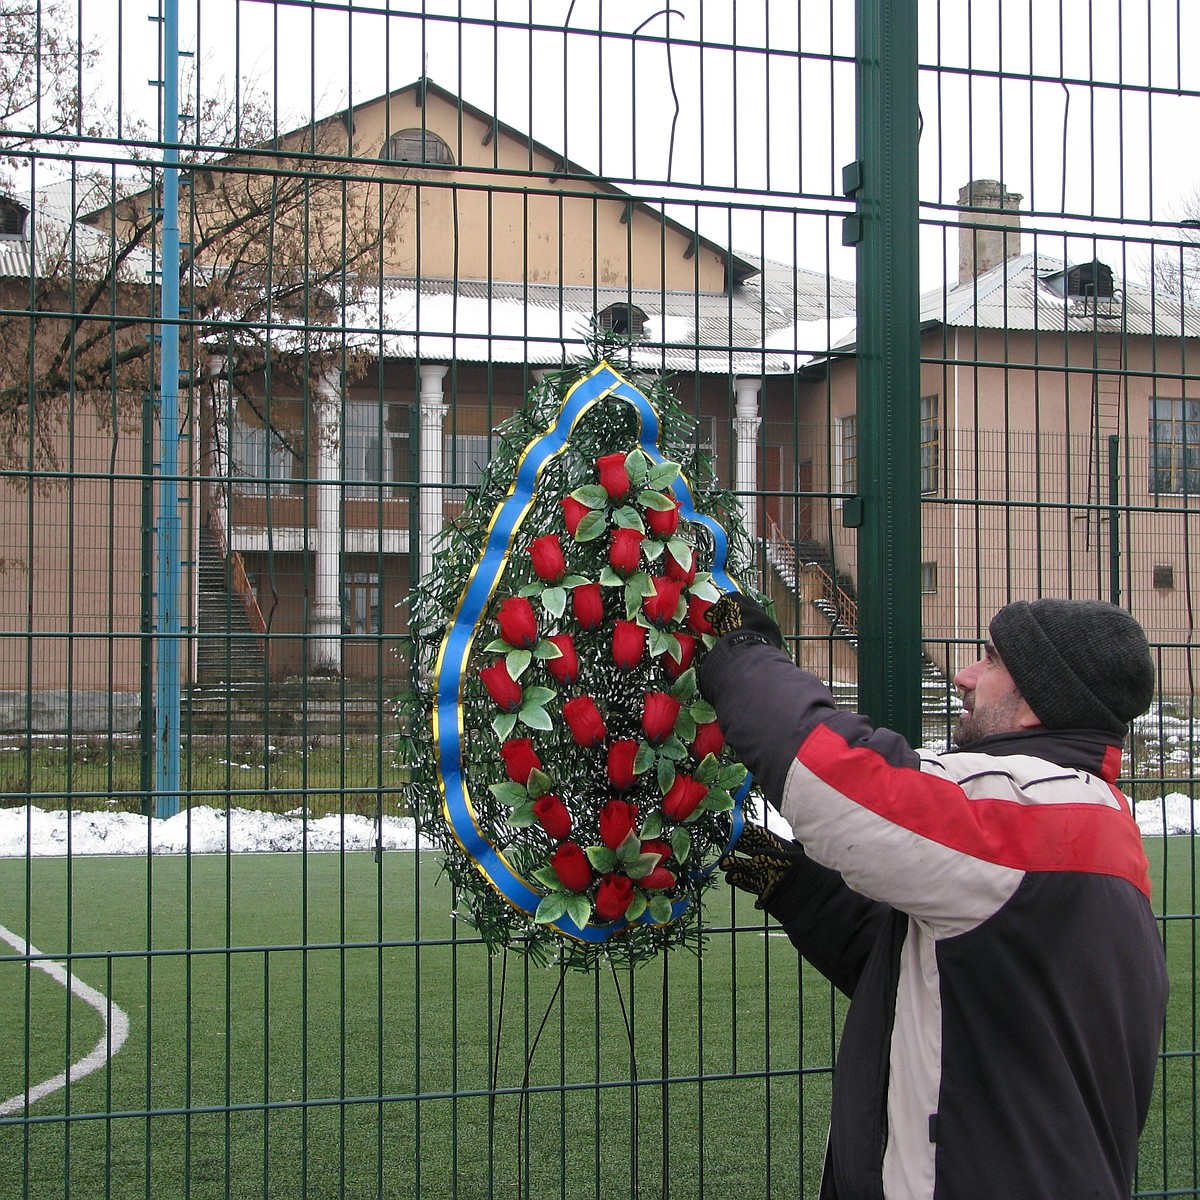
[[666, 775], [591, 494], [536, 717], [522, 816], [602, 858], [652, 826], [630, 848], [680, 613], [732, 775], [718, 800], [660, 909], [703, 712], [652, 550], [547, 877], [637, 906], [644, 759], [673, 748], [531, 589], [546, 649], [609, 577], [504, 724], [591, 527], [629, 518], [538, 695], [706, 772], [633, 600], [554, 601], [681, 844], [685, 685], [641, 866], [579, 909], [681, 552], [661, 642], [636, 467], [509, 793], [658, 502], [516, 661], [539, 783], [497, 646], [662, 475], [551, 908], [644, 583], [685, 725], [705, 591], [573, 581]]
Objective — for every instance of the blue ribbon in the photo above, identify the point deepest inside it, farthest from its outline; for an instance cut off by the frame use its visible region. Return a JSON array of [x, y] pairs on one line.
[[456, 648]]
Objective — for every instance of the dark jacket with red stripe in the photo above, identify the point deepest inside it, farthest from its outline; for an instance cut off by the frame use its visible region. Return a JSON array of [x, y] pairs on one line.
[[988, 912]]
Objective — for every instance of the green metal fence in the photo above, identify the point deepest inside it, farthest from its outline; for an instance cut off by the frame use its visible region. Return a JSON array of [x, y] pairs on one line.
[[271, 275]]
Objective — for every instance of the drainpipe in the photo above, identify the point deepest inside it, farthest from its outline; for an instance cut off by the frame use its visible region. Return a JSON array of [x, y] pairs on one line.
[[433, 412], [325, 624]]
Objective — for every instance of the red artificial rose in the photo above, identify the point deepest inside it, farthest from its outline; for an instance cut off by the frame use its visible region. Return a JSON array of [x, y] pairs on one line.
[[625, 550], [501, 686], [588, 605], [685, 575], [628, 644], [617, 819], [564, 668], [573, 512], [658, 880], [613, 896], [518, 625], [697, 615], [584, 720], [687, 652], [552, 813], [548, 562], [519, 759], [572, 867], [614, 478], [708, 740], [660, 608], [663, 522], [662, 849], [682, 798], [620, 764], [658, 717]]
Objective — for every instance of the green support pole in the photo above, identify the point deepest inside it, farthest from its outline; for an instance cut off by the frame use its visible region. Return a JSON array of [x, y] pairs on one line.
[[888, 512]]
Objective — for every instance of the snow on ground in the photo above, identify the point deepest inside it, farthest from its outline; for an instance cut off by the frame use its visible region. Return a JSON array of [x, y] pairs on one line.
[[203, 830]]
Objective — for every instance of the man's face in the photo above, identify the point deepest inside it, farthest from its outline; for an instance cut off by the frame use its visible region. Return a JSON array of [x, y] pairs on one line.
[[991, 701]]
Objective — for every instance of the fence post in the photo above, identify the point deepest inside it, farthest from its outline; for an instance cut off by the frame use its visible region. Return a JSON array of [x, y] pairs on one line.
[[884, 182]]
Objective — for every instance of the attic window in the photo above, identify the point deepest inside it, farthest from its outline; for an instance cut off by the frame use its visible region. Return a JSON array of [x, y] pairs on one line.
[[624, 320], [1090, 284], [12, 218], [419, 146]]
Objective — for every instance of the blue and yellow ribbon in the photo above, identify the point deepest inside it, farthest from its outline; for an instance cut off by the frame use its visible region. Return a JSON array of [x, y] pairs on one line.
[[455, 651]]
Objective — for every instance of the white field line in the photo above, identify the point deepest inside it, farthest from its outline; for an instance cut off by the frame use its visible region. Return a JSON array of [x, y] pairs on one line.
[[113, 1018]]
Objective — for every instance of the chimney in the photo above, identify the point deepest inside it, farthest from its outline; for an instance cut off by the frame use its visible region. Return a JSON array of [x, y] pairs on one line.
[[985, 241]]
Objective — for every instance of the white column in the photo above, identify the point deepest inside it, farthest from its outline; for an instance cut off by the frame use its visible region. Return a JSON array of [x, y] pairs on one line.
[[746, 422], [221, 433], [433, 414], [325, 622]]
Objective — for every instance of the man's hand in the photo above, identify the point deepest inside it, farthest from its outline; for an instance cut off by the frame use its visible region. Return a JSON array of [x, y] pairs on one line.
[[736, 611], [759, 862]]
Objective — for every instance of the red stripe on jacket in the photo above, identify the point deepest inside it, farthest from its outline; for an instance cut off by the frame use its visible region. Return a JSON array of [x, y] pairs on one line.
[[1091, 838]]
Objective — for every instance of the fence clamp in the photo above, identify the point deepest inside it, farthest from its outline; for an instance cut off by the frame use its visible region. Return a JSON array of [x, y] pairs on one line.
[[852, 512], [852, 181]]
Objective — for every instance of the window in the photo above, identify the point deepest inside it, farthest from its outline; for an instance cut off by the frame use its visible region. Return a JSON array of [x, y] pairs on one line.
[[466, 456], [259, 456], [624, 320], [931, 439], [846, 461], [360, 604], [1164, 576], [419, 146], [929, 577], [1174, 445], [375, 449], [12, 218]]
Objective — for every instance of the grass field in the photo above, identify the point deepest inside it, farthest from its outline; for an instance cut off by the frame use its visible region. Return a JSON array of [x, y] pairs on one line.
[[311, 1026]]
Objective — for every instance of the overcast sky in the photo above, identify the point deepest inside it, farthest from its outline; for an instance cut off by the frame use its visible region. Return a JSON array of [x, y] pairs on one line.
[[751, 102]]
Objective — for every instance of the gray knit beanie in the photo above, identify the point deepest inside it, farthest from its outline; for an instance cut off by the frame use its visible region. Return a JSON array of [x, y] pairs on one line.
[[1080, 664]]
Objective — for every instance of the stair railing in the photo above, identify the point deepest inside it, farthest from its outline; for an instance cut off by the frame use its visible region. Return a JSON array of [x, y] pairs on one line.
[[238, 578], [828, 588]]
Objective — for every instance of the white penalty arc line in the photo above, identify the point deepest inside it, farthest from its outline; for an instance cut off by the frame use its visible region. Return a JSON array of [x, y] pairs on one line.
[[112, 1017]]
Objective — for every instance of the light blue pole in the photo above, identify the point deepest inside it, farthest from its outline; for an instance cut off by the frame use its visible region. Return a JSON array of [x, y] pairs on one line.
[[167, 623]]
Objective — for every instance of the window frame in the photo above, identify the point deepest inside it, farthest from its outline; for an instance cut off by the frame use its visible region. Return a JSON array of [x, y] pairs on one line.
[[1173, 474], [421, 140]]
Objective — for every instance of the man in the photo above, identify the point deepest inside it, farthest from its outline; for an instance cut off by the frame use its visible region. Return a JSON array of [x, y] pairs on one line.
[[986, 909]]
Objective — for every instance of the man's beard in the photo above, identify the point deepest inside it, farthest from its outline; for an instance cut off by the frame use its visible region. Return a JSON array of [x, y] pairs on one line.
[[1000, 717]]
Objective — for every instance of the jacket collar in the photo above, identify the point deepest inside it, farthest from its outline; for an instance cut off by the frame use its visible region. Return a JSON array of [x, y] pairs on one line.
[[1080, 749]]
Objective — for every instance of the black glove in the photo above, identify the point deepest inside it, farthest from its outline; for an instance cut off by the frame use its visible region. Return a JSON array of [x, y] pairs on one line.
[[736, 611], [759, 862]]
